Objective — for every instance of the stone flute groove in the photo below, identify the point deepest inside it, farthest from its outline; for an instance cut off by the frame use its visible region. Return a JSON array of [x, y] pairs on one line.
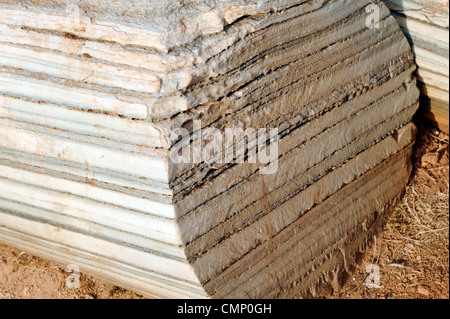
[[92, 94]]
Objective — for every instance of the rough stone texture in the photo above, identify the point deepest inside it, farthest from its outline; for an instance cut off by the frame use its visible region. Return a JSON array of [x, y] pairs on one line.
[[90, 93], [426, 23]]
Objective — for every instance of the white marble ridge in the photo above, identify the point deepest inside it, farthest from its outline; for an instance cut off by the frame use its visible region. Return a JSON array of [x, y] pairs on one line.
[[426, 25]]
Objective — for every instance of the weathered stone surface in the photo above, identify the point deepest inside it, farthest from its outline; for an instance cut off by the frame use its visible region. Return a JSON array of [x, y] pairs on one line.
[[426, 23], [91, 92]]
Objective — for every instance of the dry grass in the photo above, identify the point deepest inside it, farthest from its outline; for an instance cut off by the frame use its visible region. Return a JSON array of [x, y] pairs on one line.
[[412, 253], [23, 276]]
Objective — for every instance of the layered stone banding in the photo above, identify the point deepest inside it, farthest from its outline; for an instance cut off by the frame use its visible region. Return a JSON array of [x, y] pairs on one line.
[[91, 94]]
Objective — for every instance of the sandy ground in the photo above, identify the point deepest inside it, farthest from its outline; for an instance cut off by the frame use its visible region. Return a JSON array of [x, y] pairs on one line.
[[409, 259]]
